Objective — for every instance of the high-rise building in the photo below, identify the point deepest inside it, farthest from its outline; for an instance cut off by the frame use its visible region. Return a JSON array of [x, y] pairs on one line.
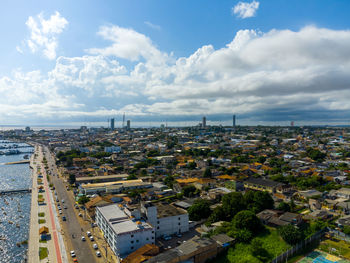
[[128, 124], [112, 124], [234, 121], [204, 122]]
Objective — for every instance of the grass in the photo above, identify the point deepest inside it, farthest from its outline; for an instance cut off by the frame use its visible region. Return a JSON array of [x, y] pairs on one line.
[[43, 253], [42, 241], [336, 247], [42, 214], [241, 252], [42, 221]]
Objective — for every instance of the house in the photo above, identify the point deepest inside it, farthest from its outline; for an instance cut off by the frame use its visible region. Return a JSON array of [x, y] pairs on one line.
[[94, 202], [142, 254], [307, 194], [223, 240], [261, 184], [319, 215], [267, 214], [291, 218]]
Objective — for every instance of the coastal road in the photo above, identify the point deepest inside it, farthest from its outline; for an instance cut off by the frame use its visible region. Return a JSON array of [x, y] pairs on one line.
[[72, 230]]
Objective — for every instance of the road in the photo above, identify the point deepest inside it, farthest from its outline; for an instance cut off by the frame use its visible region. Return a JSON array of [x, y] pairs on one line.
[[71, 228]]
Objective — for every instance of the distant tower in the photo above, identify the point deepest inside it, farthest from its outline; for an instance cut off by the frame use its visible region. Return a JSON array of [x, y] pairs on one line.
[[123, 120], [292, 123], [128, 124], [112, 124], [234, 121], [204, 122]]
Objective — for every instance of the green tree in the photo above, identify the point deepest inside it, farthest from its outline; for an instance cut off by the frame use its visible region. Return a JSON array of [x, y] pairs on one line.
[[258, 251], [284, 207], [291, 234], [71, 178], [189, 190], [83, 200], [207, 173], [199, 210], [247, 219], [232, 203]]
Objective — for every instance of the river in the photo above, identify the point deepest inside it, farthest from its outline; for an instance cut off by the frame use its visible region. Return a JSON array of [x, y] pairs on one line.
[[14, 208]]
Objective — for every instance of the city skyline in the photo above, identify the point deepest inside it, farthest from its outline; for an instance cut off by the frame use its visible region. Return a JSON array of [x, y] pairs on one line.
[[268, 62]]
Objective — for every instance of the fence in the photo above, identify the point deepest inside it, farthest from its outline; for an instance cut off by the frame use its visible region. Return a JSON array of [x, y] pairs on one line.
[[340, 235], [315, 238]]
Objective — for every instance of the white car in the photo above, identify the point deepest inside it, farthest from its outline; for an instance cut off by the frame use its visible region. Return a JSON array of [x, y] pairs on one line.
[[72, 253], [95, 246], [98, 253], [83, 238], [62, 200], [60, 211], [91, 238], [88, 233]]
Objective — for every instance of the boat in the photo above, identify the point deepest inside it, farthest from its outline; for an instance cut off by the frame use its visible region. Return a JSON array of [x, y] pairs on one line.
[[17, 225], [26, 157], [10, 222]]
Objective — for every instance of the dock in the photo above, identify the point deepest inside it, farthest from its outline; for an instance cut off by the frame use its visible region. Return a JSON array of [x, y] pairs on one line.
[[18, 162], [16, 191]]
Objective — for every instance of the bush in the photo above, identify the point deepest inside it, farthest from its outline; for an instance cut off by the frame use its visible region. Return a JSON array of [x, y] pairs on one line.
[[199, 210], [291, 234]]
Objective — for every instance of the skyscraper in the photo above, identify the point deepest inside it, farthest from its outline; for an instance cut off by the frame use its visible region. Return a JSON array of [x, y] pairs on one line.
[[112, 124], [234, 121], [204, 122], [128, 124]]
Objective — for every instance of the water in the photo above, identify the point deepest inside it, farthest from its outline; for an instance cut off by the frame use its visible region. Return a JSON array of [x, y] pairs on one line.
[[14, 208]]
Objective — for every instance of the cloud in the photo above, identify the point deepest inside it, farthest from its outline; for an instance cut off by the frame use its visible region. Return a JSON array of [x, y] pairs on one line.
[[44, 32], [260, 76], [153, 26], [245, 10]]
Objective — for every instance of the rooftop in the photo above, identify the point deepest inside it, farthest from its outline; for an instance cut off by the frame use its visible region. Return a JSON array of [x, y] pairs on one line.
[[165, 210], [119, 221]]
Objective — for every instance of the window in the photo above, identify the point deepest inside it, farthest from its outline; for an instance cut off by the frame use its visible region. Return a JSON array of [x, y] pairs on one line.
[[179, 224], [179, 218], [137, 241], [132, 247], [152, 232], [157, 222], [152, 237], [147, 238], [157, 227], [132, 235], [132, 242]]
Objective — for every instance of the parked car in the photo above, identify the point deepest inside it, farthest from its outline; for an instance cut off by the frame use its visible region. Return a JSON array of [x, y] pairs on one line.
[[91, 238], [62, 200], [65, 207], [98, 253], [88, 233], [95, 246], [72, 253], [64, 218], [60, 211], [80, 214], [83, 238]]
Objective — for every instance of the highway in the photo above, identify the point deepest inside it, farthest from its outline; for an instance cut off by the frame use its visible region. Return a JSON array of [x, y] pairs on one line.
[[72, 229]]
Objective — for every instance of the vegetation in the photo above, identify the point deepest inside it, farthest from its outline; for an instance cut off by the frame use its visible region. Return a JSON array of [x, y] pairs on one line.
[[291, 234], [43, 253], [189, 191], [83, 200], [199, 210], [41, 214], [42, 221]]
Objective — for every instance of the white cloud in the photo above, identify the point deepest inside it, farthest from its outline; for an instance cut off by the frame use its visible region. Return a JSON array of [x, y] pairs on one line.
[[153, 26], [269, 76], [245, 9], [44, 32]]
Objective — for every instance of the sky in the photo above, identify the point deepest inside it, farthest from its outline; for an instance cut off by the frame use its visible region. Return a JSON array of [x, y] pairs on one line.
[[81, 62]]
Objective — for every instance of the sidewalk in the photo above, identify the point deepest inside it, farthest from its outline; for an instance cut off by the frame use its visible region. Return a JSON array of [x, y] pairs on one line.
[[56, 251]]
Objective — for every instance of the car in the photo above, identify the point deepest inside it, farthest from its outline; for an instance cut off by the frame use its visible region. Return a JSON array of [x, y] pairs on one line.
[[64, 218], [83, 238], [76, 207], [166, 237], [62, 200], [75, 260], [92, 238], [95, 246], [179, 235], [65, 207], [98, 253], [72, 253], [80, 214], [88, 233], [60, 211]]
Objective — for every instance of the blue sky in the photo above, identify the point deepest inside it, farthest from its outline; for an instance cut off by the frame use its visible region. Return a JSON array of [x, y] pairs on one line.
[[268, 62]]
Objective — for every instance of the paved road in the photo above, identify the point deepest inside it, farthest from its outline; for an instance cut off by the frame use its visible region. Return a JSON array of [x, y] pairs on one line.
[[71, 226]]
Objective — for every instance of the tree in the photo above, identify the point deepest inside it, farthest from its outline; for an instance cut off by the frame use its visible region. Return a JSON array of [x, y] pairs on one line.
[[207, 173], [71, 178], [189, 190], [232, 203], [258, 251], [131, 177], [291, 234], [83, 200], [258, 201], [218, 214], [192, 165], [199, 210], [284, 207], [247, 219], [169, 181]]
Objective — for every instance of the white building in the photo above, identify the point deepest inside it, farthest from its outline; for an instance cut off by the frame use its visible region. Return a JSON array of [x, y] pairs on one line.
[[122, 229], [166, 219]]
